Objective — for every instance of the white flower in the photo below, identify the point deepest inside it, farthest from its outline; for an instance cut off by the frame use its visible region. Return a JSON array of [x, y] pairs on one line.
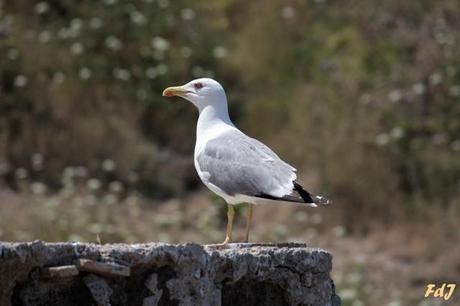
[[397, 132], [93, 184], [21, 173], [44, 36], [186, 52], [438, 139], [209, 74], [137, 17], [151, 73], [133, 177], [41, 7], [95, 228], [301, 216], [58, 77], [395, 303], [159, 43], [110, 199], [4, 168], [454, 90], [116, 186], [76, 24], [280, 230], [418, 88], [357, 303], [451, 70], [455, 145], [38, 188], [220, 52], [316, 218], [395, 95], [435, 78], [75, 237], [13, 54], [339, 231], [425, 302], [158, 55], [113, 43], [76, 48], [64, 33], [382, 139], [162, 69], [108, 165], [122, 74], [347, 294], [84, 73], [187, 14], [68, 172], [20, 81], [141, 94], [95, 23], [163, 3], [197, 71], [287, 12], [81, 171], [365, 98], [354, 277], [444, 38], [37, 161]]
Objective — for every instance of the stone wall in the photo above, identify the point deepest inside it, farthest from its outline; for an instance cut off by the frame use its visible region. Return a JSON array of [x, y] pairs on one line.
[[40, 273]]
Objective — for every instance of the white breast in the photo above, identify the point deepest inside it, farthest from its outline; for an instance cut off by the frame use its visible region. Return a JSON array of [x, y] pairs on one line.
[[215, 131]]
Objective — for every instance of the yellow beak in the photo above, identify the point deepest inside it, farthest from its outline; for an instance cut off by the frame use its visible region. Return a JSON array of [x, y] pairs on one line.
[[174, 91]]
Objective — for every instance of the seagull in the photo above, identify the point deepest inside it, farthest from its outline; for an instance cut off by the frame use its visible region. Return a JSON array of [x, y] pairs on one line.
[[238, 168]]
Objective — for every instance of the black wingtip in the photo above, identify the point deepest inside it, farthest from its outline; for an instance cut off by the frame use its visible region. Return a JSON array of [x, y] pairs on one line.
[[301, 196], [308, 198]]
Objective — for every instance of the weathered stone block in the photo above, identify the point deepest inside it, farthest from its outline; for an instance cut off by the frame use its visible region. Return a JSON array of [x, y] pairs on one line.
[[165, 274]]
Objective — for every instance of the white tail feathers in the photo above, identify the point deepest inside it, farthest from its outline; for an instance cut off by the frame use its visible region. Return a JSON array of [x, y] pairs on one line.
[[321, 200]]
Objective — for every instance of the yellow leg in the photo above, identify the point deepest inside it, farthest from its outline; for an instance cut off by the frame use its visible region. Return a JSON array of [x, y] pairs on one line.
[[248, 221], [230, 215]]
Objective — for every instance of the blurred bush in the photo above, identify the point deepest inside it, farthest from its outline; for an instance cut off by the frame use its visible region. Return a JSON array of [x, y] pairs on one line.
[[82, 81], [362, 96]]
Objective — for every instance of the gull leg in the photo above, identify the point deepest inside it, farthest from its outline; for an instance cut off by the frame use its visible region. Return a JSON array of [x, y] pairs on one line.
[[248, 221], [228, 236], [230, 215]]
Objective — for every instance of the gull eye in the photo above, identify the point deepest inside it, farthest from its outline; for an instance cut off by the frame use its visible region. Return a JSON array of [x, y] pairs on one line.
[[198, 85]]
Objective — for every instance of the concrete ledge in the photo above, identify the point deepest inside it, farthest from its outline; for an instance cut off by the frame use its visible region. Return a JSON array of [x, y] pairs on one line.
[[39, 273]]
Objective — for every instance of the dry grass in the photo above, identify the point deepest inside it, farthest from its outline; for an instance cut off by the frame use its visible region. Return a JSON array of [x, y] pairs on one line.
[[362, 97], [388, 264]]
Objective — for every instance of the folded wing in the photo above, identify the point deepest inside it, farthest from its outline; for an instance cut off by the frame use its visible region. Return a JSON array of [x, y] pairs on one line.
[[240, 165]]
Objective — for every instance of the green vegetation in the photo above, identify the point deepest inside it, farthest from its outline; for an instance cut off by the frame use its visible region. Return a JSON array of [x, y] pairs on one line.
[[363, 97]]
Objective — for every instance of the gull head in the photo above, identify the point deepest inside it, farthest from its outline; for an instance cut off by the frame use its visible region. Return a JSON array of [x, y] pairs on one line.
[[201, 92]]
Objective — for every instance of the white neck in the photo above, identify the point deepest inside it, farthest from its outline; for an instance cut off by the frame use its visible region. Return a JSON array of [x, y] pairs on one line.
[[213, 120]]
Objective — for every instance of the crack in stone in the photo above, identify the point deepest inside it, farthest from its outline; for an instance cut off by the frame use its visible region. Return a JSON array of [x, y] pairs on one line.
[[164, 274]]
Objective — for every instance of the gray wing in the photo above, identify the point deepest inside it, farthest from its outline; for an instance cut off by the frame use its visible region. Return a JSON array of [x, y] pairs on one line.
[[238, 164]]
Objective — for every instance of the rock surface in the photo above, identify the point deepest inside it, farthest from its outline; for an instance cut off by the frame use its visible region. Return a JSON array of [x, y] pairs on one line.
[[164, 274]]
